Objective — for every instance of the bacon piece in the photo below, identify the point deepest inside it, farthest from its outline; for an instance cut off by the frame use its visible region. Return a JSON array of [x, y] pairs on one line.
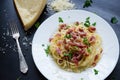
[[96, 57], [82, 34], [80, 45], [62, 26], [58, 50], [69, 31], [71, 43], [74, 60], [78, 40], [66, 46], [50, 39], [77, 55], [81, 51], [73, 35], [76, 23], [92, 39], [81, 30], [93, 64], [92, 29]]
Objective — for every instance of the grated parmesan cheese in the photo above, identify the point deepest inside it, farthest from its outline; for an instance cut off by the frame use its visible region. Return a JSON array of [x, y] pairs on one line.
[[60, 5]]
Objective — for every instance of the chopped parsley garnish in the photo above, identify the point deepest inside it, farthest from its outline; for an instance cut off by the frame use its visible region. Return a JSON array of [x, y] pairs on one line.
[[81, 78], [68, 36], [88, 18], [96, 71], [85, 41], [94, 24], [60, 19], [37, 24], [68, 54], [87, 3], [87, 22], [43, 45], [88, 49], [47, 50], [114, 20]]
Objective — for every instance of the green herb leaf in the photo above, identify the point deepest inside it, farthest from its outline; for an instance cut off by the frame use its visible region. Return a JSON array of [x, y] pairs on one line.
[[60, 19], [96, 71], [47, 50], [94, 24], [88, 49], [81, 78], [114, 20], [88, 18], [66, 54], [68, 36], [87, 3], [37, 24], [87, 22], [69, 55], [43, 45], [85, 41]]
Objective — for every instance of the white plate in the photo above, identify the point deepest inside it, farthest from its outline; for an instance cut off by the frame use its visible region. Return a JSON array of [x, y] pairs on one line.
[[50, 69]]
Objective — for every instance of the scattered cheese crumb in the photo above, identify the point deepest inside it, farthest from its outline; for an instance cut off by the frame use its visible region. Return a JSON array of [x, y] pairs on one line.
[[60, 5]]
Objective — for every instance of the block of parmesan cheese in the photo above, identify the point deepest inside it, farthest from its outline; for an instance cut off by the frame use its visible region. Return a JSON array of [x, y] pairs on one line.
[[29, 11]]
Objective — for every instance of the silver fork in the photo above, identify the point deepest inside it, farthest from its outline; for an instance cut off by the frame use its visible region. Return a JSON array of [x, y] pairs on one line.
[[16, 35]]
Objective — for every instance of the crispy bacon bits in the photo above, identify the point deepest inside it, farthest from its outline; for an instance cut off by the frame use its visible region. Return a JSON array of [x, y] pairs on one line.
[[92, 29]]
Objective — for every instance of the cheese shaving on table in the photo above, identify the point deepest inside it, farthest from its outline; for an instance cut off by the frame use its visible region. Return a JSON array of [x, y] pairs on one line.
[[60, 5]]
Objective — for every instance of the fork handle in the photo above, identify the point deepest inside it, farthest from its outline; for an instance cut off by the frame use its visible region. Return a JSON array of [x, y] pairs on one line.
[[23, 64]]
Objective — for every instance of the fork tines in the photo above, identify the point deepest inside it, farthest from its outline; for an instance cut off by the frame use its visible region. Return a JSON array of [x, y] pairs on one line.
[[13, 27]]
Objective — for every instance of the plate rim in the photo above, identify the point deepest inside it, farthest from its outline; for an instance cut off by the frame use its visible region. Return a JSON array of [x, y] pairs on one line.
[[75, 10]]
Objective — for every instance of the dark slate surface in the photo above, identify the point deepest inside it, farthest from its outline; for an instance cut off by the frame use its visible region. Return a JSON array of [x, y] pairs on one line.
[[9, 63]]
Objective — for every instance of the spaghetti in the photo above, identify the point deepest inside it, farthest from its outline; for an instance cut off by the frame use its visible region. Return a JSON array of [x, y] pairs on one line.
[[75, 47]]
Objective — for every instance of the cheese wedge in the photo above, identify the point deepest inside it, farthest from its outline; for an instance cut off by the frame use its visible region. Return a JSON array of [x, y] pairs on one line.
[[29, 11]]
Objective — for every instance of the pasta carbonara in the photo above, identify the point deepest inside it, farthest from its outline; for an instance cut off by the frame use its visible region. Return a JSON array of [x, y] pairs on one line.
[[75, 47]]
